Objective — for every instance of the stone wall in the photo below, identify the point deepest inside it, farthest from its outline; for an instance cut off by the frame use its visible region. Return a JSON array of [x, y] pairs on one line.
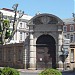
[[11, 55]]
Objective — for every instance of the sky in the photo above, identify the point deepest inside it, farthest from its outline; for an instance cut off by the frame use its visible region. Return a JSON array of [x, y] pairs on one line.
[[61, 8]]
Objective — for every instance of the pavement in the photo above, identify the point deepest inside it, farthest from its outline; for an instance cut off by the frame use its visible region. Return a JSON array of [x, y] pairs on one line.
[[36, 72], [26, 70], [68, 72]]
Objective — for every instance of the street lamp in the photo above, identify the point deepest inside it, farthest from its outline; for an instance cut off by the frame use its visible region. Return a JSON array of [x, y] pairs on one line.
[[15, 6], [21, 13], [64, 56], [73, 16], [64, 51]]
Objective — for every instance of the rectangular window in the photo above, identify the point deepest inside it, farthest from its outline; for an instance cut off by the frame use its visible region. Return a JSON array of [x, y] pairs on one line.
[[71, 27], [68, 36], [65, 36], [71, 38], [72, 55], [20, 25], [24, 24], [20, 35], [64, 28]]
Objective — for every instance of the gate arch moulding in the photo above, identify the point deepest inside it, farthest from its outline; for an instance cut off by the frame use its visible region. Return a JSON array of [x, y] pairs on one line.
[[45, 17]]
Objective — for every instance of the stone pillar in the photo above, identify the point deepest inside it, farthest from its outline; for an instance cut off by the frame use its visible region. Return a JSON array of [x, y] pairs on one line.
[[32, 58], [60, 40]]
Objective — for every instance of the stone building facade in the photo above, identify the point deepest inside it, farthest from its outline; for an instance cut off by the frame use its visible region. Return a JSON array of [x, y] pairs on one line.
[[69, 33]]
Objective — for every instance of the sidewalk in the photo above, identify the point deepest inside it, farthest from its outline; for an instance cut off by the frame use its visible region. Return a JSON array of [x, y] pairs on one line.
[[26, 70], [38, 71]]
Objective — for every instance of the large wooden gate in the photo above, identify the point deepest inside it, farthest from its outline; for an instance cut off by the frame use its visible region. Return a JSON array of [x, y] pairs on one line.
[[43, 58], [45, 52]]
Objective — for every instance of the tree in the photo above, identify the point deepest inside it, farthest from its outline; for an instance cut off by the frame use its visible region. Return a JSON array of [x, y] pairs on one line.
[[5, 25], [4, 31]]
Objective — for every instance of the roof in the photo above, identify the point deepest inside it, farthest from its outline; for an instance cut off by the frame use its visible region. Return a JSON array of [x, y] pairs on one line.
[[7, 9], [69, 21], [9, 12]]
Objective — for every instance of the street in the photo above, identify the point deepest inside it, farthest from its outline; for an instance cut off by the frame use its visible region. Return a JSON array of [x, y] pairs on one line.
[[68, 73]]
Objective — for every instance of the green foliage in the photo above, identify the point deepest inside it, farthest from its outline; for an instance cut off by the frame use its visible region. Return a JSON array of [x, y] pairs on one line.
[[0, 29], [1, 72], [7, 34], [50, 72], [0, 33], [6, 23], [9, 71]]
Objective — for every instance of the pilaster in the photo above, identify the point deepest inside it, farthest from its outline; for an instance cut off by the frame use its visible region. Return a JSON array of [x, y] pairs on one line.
[[32, 58]]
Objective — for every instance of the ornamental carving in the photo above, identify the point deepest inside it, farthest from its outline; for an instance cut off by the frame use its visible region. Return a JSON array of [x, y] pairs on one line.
[[37, 21], [45, 20]]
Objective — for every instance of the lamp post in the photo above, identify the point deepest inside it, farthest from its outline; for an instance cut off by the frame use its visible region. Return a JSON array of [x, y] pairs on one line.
[[21, 13], [65, 52], [64, 56], [73, 16]]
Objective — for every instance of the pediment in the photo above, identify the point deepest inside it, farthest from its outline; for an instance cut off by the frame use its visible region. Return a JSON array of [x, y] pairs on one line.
[[45, 19]]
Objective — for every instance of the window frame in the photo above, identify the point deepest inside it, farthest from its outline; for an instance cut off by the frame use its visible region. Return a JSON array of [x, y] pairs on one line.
[[20, 35], [71, 38], [21, 24], [72, 56], [65, 28], [71, 27]]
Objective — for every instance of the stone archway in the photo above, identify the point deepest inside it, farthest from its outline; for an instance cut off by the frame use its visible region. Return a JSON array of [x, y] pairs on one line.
[[45, 52], [50, 28]]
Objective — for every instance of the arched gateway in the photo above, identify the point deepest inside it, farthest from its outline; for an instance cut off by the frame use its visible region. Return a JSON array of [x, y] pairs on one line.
[[45, 41], [45, 52]]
